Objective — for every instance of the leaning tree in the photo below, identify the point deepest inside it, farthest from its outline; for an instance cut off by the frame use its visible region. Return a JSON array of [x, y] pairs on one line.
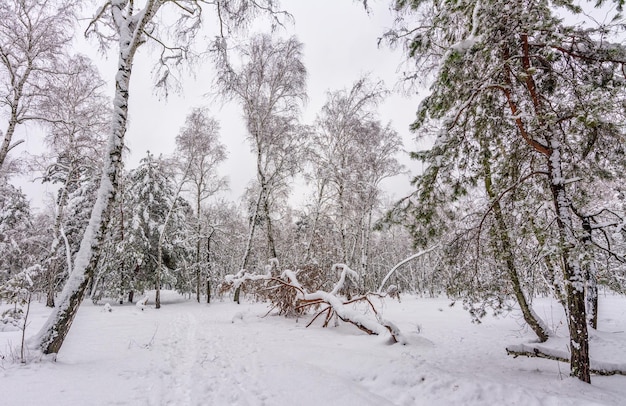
[[76, 114]]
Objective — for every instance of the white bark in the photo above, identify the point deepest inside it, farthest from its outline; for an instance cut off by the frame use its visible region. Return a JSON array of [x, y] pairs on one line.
[[246, 254], [404, 261], [52, 334]]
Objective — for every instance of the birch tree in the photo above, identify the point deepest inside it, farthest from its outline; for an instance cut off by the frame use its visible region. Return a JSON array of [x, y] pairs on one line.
[[127, 25], [270, 84], [200, 150], [34, 35], [352, 153], [75, 111]]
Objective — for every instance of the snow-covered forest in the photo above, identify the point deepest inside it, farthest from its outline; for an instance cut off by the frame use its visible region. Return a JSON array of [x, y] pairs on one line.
[[499, 278]]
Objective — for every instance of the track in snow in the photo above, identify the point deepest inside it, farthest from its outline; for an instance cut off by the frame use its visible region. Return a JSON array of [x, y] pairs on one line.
[[222, 354], [208, 358]]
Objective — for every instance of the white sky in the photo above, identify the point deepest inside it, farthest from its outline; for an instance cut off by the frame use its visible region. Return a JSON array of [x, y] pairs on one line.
[[340, 44]]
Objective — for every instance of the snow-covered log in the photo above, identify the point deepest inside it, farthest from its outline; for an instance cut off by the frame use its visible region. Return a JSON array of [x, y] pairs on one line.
[[337, 306], [596, 367]]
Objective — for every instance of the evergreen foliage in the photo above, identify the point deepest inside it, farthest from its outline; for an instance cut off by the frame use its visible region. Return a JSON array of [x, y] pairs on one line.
[[525, 111]]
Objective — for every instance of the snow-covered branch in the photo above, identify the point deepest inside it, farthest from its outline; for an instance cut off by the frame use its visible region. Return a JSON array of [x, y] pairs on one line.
[[334, 305], [399, 264], [543, 351]]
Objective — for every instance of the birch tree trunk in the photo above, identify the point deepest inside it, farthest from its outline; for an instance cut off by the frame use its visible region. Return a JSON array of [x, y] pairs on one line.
[[54, 331], [51, 336], [318, 208], [13, 120], [209, 265], [246, 254], [366, 232], [51, 273], [198, 231], [271, 245], [253, 221], [342, 223]]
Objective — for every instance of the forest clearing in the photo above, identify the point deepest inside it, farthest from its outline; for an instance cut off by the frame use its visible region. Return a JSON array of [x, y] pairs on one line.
[[245, 177], [226, 354]]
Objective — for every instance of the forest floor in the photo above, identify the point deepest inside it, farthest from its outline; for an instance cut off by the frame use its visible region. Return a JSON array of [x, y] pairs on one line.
[[226, 354]]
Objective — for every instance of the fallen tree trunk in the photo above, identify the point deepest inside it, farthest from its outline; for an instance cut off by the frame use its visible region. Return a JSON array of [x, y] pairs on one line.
[[598, 368], [335, 306]]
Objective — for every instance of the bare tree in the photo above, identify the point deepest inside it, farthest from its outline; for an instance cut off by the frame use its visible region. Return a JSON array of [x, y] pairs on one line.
[[198, 146], [340, 144], [76, 121], [33, 38], [129, 25], [376, 161], [271, 86]]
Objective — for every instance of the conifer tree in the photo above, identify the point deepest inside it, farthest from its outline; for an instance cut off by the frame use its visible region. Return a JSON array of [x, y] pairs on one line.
[[521, 102]]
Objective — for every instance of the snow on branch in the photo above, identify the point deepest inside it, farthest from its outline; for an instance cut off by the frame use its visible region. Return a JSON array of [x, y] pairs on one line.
[[242, 276], [345, 272], [542, 351], [292, 297], [404, 261], [337, 307]]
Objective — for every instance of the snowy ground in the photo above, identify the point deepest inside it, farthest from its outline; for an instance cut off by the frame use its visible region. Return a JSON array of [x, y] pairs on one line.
[[225, 354]]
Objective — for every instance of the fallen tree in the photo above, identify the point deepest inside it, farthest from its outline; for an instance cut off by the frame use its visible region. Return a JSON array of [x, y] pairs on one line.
[[542, 351], [291, 297]]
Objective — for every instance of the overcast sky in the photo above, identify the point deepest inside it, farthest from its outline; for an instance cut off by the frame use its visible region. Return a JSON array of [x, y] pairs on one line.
[[340, 45]]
